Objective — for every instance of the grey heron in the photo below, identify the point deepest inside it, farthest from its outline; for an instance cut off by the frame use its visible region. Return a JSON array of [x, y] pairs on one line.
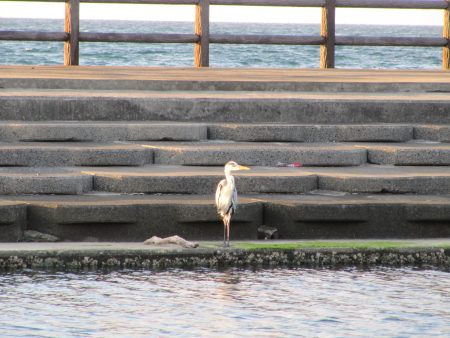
[[226, 198]]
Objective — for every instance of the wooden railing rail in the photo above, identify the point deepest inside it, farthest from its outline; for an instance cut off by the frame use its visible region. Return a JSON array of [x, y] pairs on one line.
[[202, 37]]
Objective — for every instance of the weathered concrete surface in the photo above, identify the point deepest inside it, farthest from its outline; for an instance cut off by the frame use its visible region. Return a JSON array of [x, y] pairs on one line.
[[165, 179], [203, 180], [35, 154], [439, 133], [94, 131], [358, 216], [218, 153], [260, 154], [214, 106], [104, 131], [108, 131], [384, 179], [20, 180], [132, 218], [78, 256], [13, 220], [146, 78], [404, 154], [105, 104], [310, 133], [320, 214], [200, 180]]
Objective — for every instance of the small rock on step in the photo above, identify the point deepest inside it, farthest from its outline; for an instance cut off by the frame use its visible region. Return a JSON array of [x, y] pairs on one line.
[[266, 232], [36, 236]]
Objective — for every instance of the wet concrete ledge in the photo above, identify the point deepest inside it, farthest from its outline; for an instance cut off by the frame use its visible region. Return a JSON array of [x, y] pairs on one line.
[[67, 256]]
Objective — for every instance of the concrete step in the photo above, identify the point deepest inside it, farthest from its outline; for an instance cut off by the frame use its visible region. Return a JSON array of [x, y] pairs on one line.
[[13, 220], [153, 78], [101, 131], [310, 154], [383, 179], [216, 153], [439, 133], [108, 131], [268, 132], [203, 180], [358, 216], [411, 153], [20, 180], [311, 216], [153, 179], [73, 154], [136, 218], [260, 154], [199, 180], [220, 106]]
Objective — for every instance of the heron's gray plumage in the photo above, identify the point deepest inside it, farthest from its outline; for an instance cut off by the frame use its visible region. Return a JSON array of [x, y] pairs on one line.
[[226, 197]]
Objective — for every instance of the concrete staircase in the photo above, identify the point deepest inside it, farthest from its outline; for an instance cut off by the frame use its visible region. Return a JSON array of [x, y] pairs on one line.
[[113, 154]]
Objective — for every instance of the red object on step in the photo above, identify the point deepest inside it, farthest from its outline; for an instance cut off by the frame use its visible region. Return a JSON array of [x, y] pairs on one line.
[[292, 165]]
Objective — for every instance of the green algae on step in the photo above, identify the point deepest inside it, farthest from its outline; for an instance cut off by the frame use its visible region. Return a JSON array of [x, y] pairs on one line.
[[340, 245]]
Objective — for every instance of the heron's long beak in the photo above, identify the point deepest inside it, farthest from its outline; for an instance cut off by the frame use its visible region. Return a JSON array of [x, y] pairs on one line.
[[242, 167]]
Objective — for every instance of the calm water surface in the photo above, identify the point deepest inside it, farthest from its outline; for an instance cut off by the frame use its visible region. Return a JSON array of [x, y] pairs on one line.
[[232, 303]]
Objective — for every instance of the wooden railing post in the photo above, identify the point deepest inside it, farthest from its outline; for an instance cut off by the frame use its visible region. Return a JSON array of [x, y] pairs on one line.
[[201, 50], [327, 30], [72, 27], [446, 34]]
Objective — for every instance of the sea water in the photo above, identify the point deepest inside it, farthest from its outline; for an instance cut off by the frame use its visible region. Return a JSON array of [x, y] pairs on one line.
[[181, 55], [380, 302]]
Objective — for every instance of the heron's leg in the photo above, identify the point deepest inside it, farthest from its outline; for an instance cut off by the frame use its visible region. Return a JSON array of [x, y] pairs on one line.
[[224, 232], [228, 230]]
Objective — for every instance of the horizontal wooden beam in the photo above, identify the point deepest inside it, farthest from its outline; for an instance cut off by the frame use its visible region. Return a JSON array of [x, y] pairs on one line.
[[275, 3], [138, 37], [33, 36], [390, 41], [265, 39], [226, 39], [411, 4], [291, 3], [143, 2], [418, 4]]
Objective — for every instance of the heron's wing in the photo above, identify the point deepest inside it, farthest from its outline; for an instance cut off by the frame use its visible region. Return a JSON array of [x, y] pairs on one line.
[[219, 191], [234, 200]]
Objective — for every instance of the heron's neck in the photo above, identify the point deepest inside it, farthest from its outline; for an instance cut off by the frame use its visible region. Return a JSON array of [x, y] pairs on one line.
[[228, 176]]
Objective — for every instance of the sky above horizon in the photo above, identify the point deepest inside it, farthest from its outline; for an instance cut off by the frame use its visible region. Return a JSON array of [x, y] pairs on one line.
[[223, 13]]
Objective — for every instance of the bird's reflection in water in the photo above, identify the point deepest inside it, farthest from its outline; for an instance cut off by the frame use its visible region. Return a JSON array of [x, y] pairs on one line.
[[228, 289]]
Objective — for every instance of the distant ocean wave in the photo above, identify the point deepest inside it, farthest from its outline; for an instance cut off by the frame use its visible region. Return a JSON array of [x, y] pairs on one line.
[[181, 55]]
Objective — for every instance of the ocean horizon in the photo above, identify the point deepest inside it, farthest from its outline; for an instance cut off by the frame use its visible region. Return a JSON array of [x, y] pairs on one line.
[[182, 55]]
